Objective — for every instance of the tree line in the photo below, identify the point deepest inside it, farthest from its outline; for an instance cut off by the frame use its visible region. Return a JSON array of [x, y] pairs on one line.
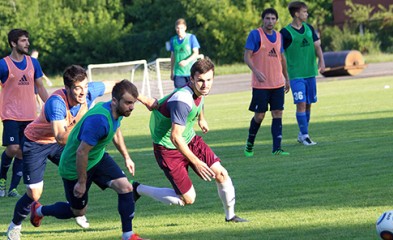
[[103, 31]]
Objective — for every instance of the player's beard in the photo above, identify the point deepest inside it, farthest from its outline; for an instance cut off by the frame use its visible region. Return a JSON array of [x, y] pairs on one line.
[[121, 112], [22, 51]]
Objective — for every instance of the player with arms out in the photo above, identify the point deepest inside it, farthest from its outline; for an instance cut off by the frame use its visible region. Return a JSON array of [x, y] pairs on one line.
[[46, 136], [20, 75], [177, 147], [301, 46], [264, 56]]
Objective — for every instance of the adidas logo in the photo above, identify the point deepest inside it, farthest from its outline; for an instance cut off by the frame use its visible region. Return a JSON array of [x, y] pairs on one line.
[[23, 81], [305, 43], [272, 53]]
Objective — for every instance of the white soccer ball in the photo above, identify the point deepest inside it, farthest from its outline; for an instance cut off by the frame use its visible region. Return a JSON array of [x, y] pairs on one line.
[[385, 225]]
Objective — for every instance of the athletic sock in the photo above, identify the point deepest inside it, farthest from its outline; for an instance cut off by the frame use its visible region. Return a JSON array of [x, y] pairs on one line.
[[60, 210], [17, 168], [164, 195], [5, 165], [276, 130], [126, 235], [126, 208], [22, 209], [253, 130], [302, 122], [308, 115], [226, 192]]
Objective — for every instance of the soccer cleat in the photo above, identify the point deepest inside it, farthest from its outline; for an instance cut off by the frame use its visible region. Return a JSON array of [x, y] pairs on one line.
[[135, 185], [249, 150], [280, 152], [14, 193], [82, 221], [306, 141], [236, 219], [35, 220], [2, 187], [135, 236], [13, 233]]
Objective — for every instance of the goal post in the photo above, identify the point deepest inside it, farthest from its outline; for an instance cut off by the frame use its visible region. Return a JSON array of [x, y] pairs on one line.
[[159, 72], [134, 71]]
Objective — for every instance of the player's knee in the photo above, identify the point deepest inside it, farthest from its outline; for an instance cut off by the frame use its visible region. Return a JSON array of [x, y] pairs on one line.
[[34, 191], [12, 150], [222, 175], [121, 186], [188, 200]]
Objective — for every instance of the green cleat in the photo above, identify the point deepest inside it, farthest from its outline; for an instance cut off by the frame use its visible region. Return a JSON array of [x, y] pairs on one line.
[[14, 193], [280, 152], [249, 150]]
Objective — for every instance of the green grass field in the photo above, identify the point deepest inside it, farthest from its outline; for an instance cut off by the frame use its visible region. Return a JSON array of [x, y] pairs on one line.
[[334, 190]]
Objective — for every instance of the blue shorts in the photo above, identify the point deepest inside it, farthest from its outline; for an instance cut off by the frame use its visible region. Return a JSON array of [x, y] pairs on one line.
[[101, 174], [13, 132], [261, 98], [304, 90], [180, 81], [34, 159]]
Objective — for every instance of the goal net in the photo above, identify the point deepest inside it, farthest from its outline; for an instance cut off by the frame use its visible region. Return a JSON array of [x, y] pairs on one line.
[[134, 71], [159, 72]]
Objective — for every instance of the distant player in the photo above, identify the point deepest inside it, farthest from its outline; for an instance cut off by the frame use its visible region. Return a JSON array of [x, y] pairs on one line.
[[20, 75], [264, 56], [184, 52], [302, 45], [177, 147]]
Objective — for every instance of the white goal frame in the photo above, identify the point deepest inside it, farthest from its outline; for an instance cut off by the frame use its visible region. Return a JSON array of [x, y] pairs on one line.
[[137, 63]]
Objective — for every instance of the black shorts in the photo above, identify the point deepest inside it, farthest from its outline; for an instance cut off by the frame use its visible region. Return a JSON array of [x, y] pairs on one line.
[[261, 98], [101, 174], [13, 132]]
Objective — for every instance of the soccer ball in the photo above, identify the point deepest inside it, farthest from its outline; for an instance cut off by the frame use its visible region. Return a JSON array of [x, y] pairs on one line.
[[385, 225]]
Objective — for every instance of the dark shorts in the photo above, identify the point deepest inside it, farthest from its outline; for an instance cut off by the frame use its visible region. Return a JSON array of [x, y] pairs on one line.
[[304, 90], [180, 81], [101, 174], [35, 157], [261, 98], [13, 132], [175, 165]]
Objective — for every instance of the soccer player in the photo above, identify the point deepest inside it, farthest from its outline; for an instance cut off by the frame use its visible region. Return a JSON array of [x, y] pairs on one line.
[[177, 147], [20, 75], [184, 51], [301, 46], [84, 160], [46, 136], [264, 56]]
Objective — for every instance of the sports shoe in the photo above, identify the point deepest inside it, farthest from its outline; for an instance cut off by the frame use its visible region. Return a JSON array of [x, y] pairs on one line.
[[14, 193], [135, 185], [280, 152], [249, 150], [13, 233], [236, 219], [135, 236], [35, 220], [306, 141], [2, 187], [82, 221]]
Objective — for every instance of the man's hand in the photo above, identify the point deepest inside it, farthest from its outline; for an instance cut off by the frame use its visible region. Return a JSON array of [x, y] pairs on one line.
[[204, 171], [203, 125], [79, 189], [130, 165], [260, 76]]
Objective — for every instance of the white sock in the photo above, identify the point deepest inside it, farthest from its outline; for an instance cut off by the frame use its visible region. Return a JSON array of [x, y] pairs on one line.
[[13, 225], [226, 191], [126, 235], [164, 195]]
